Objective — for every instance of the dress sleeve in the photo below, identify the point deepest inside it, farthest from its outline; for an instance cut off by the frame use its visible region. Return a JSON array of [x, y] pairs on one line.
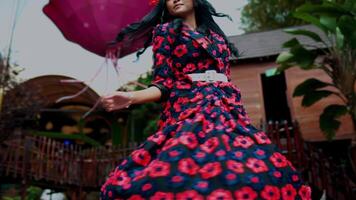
[[163, 77]]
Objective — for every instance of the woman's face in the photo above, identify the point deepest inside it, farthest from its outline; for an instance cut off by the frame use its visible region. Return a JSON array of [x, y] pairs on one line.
[[180, 8]]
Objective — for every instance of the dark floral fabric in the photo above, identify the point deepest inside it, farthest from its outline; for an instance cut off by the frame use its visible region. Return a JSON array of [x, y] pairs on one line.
[[205, 146]]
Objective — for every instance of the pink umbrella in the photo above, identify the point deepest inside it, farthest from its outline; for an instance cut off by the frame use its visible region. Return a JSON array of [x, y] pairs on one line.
[[93, 24]]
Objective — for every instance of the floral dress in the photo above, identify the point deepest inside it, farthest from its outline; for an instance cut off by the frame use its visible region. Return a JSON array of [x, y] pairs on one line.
[[205, 146]]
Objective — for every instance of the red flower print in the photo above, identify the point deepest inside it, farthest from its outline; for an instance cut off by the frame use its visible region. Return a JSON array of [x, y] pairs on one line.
[[195, 44], [210, 170], [136, 197], [174, 153], [159, 168], [146, 187], [262, 138], [188, 166], [197, 97], [270, 193], [157, 138], [214, 52], [122, 179], [202, 184], [238, 155], [159, 59], [222, 118], [235, 166], [225, 140], [220, 153], [139, 175], [245, 193], [180, 50], [221, 47], [219, 127], [177, 179], [170, 143], [291, 165], [231, 124], [243, 141], [189, 194], [177, 107], [203, 66], [230, 176], [189, 140], [190, 67], [141, 157], [260, 152], [157, 43], [183, 100], [169, 38], [295, 178], [288, 192], [305, 192], [210, 145], [200, 155], [278, 160], [244, 120], [185, 114], [220, 194], [221, 64], [254, 179], [256, 165], [163, 196], [210, 127], [124, 162], [277, 174]]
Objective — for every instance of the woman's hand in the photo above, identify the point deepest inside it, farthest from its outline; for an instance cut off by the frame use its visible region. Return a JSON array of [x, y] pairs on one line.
[[117, 100]]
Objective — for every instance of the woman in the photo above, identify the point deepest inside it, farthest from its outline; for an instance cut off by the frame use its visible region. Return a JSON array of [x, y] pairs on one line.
[[205, 146]]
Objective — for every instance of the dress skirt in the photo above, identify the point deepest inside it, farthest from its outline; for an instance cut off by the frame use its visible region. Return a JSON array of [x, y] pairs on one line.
[[205, 147]]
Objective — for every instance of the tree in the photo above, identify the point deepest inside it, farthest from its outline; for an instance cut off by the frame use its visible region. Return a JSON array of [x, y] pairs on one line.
[[338, 60], [19, 105], [261, 15]]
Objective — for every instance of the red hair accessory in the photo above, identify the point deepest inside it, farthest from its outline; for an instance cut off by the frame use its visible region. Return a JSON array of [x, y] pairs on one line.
[[153, 2]]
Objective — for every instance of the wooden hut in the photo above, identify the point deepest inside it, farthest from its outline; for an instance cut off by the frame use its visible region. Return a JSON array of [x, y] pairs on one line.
[[268, 97]]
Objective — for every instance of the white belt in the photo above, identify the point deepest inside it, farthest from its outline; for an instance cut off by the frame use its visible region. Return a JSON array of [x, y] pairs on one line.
[[209, 75]]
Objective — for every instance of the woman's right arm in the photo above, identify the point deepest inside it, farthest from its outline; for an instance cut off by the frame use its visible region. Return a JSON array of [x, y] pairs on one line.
[[122, 99], [163, 77], [150, 94]]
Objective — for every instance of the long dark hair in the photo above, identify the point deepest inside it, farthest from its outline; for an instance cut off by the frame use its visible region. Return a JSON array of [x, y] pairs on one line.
[[204, 13]]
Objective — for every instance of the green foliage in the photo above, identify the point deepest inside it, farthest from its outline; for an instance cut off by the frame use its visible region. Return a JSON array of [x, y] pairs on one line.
[[298, 54], [328, 122], [261, 15], [338, 24], [32, 193], [309, 86]]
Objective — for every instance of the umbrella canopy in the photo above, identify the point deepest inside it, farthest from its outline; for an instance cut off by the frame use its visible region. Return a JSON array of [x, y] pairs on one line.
[[94, 23]]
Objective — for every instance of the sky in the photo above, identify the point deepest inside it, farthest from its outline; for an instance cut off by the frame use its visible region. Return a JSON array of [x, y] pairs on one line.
[[40, 48]]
